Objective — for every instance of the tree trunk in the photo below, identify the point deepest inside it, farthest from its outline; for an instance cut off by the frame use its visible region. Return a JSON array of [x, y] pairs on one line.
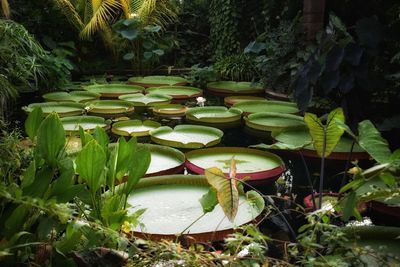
[[313, 15]]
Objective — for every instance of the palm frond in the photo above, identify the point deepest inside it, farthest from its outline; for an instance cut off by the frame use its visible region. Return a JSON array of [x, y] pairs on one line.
[[157, 12], [101, 17], [5, 7], [70, 12]]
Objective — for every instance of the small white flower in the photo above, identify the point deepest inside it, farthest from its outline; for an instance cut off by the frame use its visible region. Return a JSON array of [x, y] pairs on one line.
[[133, 15], [200, 101]]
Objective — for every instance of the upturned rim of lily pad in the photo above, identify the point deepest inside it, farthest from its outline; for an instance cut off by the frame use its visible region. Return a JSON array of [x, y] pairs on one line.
[[103, 107], [215, 133], [258, 120], [63, 96], [231, 100], [192, 114], [114, 90], [157, 80], [266, 174], [77, 108], [179, 92], [116, 127], [256, 106], [99, 121], [234, 88], [142, 100]]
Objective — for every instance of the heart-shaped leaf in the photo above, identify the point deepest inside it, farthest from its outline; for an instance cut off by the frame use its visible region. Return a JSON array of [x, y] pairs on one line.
[[371, 140], [328, 133]]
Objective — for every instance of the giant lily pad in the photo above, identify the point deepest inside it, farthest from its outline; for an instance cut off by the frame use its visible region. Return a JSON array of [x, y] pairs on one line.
[[300, 138], [272, 121], [74, 96], [249, 107], [231, 100], [88, 123], [170, 110], [178, 93], [114, 90], [234, 88], [63, 109], [141, 101], [136, 128], [154, 81], [110, 108], [187, 136], [216, 116], [164, 160], [172, 205], [257, 164]]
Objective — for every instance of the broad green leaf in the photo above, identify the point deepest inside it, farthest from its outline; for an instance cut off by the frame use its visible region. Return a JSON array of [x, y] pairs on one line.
[[346, 128], [90, 164], [227, 192], [112, 211], [349, 206], [332, 134], [388, 179], [33, 122], [209, 201], [41, 183], [256, 200], [29, 175], [371, 141], [138, 168], [126, 154], [50, 139], [16, 221], [101, 137], [71, 238]]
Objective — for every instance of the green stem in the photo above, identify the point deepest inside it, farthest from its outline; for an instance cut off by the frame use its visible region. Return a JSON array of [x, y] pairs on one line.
[[322, 172], [190, 225]]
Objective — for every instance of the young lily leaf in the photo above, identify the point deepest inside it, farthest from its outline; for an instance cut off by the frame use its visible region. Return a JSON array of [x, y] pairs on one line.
[[227, 192], [90, 164], [330, 130], [371, 140], [33, 122], [209, 201]]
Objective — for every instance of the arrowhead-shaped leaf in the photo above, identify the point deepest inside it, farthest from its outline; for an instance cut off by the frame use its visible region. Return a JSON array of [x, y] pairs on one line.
[[330, 130], [227, 192]]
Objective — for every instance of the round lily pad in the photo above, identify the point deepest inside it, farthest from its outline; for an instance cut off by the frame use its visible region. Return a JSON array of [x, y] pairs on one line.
[[170, 110], [249, 107], [88, 123], [114, 90], [177, 207], [154, 81], [74, 96], [164, 160], [147, 100], [178, 93], [187, 136], [215, 116], [257, 164], [63, 109], [272, 121], [110, 108], [231, 100], [141, 101], [136, 128], [234, 88]]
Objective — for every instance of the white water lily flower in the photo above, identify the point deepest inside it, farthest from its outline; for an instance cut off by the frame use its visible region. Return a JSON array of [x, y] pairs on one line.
[[200, 101]]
